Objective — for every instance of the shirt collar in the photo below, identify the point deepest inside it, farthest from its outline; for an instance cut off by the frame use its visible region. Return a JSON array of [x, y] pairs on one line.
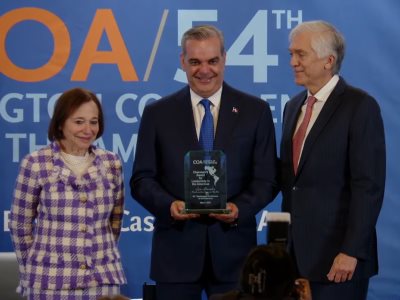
[[326, 90], [215, 98]]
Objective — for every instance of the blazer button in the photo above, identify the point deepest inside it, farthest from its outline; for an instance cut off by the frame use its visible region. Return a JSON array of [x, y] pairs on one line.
[[295, 188], [83, 198], [83, 267], [83, 228]]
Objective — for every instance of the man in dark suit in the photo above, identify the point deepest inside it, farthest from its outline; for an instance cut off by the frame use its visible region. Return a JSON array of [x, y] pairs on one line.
[[332, 180], [191, 253]]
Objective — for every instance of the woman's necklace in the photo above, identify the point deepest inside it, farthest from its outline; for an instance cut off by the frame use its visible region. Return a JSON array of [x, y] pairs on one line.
[[77, 164], [75, 160]]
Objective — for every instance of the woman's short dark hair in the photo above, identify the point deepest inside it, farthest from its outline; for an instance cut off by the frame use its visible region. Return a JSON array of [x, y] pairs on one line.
[[66, 105], [268, 271]]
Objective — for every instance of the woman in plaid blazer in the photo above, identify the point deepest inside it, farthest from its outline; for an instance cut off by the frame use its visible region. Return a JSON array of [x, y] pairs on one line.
[[67, 209]]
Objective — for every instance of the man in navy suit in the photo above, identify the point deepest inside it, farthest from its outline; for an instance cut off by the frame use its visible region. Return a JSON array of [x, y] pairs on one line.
[[192, 253], [334, 186]]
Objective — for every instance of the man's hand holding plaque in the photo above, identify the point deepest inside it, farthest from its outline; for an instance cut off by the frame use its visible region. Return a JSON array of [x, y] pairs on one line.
[[176, 209], [230, 217]]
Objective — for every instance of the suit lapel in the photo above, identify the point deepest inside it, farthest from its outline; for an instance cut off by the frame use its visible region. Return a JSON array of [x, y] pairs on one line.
[[331, 105], [228, 115], [291, 115], [292, 118], [185, 120]]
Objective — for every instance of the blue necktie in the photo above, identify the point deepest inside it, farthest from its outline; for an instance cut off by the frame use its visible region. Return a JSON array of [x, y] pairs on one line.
[[207, 127]]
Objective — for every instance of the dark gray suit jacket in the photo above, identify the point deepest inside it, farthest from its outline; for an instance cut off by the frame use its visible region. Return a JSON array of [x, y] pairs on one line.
[[245, 133], [337, 194]]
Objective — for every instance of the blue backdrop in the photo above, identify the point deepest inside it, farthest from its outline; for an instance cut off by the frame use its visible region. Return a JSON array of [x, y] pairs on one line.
[[128, 53]]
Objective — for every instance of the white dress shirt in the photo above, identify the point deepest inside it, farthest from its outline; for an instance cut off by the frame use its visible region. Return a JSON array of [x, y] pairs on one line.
[[321, 96], [198, 109]]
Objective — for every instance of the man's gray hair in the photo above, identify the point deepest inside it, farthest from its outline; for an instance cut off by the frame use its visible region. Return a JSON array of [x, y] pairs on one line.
[[327, 40], [202, 32]]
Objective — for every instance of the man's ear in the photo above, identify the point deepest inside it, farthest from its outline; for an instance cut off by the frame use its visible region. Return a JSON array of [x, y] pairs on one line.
[[182, 60], [330, 61]]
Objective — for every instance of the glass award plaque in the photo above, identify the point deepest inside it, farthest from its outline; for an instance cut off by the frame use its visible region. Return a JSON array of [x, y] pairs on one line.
[[205, 182]]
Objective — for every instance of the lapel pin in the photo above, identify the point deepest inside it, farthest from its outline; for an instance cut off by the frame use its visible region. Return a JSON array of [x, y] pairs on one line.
[[235, 110]]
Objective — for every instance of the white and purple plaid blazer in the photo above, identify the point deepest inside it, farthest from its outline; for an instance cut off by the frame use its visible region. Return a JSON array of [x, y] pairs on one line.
[[65, 229]]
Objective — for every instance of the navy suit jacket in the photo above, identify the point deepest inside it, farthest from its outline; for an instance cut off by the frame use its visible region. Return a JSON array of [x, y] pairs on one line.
[[245, 133], [336, 196]]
